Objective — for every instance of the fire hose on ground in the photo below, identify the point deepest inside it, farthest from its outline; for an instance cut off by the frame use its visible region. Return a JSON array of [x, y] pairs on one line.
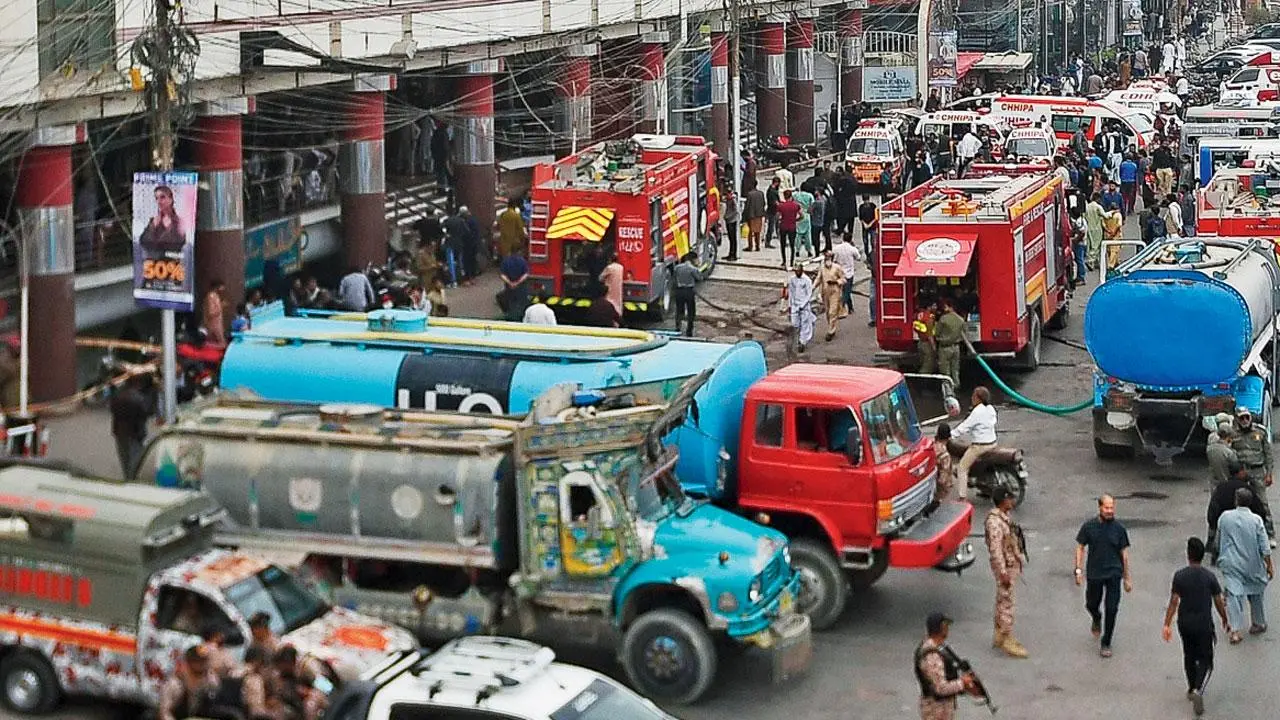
[[1019, 397]]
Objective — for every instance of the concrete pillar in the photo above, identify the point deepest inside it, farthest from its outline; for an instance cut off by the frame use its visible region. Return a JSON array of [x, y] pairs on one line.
[[771, 85], [362, 170], [44, 198], [849, 33], [800, 77], [653, 82], [576, 93], [473, 144], [721, 129], [219, 152]]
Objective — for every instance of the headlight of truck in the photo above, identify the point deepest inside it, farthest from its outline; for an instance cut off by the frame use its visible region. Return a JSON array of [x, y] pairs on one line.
[[726, 602], [753, 592], [786, 554]]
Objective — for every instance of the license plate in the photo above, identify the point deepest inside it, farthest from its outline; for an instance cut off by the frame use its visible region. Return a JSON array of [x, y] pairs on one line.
[[785, 602]]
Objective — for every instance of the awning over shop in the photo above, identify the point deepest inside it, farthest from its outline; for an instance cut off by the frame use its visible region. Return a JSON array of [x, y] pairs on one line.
[[580, 223], [1010, 61], [965, 61], [944, 257]]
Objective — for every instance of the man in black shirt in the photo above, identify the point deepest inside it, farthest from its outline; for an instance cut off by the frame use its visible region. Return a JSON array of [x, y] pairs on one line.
[[1108, 564], [1195, 593]]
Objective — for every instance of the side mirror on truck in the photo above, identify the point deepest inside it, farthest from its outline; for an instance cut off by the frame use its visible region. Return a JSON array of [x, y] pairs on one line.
[[853, 445]]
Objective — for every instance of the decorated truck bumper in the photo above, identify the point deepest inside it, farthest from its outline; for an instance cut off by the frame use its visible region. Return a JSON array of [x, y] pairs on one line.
[[937, 539]]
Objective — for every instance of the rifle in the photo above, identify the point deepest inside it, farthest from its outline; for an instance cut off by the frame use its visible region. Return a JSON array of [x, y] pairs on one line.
[[980, 690]]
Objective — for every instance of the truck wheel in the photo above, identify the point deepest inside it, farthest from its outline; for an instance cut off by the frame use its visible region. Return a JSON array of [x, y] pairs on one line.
[[1011, 481], [661, 308], [863, 579], [669, 656], [1060, 319], [29, 683], [1106, 451], [1029, 359], [823, 588]]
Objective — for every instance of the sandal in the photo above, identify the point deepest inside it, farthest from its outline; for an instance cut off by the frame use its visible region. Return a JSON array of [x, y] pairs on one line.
[[1236, 638]]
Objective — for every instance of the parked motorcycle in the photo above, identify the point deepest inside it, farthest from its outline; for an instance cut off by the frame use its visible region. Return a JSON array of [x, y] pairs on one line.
[[777, 149], [998, 467]]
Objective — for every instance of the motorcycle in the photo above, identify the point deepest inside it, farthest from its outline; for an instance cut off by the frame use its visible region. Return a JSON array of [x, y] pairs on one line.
[[777, 149], [998, 467]]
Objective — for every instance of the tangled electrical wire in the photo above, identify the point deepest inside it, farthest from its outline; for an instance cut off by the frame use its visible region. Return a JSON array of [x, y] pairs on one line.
[[169, 49]]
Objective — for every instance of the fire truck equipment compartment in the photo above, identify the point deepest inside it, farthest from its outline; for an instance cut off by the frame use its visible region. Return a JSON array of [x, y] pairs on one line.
[[944, 257]]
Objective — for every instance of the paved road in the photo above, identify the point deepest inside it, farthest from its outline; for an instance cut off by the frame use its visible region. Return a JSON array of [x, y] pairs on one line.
[[862, 667]]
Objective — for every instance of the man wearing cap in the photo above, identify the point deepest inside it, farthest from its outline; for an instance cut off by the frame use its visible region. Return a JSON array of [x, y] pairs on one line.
[[1219, 454], [1007, 557], [938, 672], [1253, 447]]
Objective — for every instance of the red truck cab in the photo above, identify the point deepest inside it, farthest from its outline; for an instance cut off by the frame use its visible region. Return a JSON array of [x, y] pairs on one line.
[[835, 457]]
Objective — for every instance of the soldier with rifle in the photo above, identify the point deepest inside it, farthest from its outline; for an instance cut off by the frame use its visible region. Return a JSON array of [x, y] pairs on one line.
[[943, 675]]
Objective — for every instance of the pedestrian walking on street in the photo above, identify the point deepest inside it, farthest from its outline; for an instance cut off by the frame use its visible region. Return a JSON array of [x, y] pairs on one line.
[[1194, 594], [820, 220], [938, 671], [869, 219], [847, 257], [772, 196], [1223, 498], [1107, 566], [830, 283], [731, 218], [804, 226], [753, 214], [799, 296], [686, 277], [1244, 557], [1253, 447], [789, 212], [131, 406], [1007, 548]]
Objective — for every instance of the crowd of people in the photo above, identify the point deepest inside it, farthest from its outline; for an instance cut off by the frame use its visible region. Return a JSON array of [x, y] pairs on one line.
[[273, 681]]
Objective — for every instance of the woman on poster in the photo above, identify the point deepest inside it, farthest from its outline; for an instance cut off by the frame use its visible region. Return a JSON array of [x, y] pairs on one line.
[[164, 232]]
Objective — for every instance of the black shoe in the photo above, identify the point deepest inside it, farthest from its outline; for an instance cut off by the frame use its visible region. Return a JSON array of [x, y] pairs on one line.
[[1197, 703], [871, 323], [801, 347]]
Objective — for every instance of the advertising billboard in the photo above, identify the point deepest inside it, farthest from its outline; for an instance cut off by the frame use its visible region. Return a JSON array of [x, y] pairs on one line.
[[889, 84], [164, 240]]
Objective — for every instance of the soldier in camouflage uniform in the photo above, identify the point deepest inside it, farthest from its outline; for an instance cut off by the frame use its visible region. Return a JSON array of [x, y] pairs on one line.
[[941, 680], [1005, 545], [1252, 445]]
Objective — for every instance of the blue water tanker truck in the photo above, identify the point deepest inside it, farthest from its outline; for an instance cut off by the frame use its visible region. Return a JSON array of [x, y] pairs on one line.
[[1182, 331], [833, 456]]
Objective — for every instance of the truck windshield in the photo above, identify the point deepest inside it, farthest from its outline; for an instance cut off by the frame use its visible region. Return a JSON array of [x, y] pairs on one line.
[[891, 424], [276, 593], [606, 701], [654, 495]]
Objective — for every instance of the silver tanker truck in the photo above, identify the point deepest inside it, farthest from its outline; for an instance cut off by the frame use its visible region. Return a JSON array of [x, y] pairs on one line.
[[565, 526]]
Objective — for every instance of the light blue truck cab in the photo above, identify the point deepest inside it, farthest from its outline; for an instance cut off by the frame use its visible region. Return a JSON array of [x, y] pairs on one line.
[[405, 360], [566, 526], [1183, 331]]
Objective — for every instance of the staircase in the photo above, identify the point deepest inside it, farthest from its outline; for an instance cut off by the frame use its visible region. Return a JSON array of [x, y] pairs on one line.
[[411, 203]]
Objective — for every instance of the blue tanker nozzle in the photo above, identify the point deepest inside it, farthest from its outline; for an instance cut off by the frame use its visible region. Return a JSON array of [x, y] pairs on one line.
[[405, 321], [586, 398]]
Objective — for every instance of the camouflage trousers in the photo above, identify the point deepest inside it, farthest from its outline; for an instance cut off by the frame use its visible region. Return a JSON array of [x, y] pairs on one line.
[[1005, 605], [931, 709]]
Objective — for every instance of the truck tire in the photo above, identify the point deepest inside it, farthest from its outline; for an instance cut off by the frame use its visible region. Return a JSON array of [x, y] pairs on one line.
[[863, 579], [669, 656], [824, 591], [1029, 359], [660, 308], [28, 683], [1060, 319], [1107, 451]]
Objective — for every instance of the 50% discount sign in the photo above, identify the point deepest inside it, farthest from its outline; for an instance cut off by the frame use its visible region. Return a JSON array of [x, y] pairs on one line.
[[162, 270]]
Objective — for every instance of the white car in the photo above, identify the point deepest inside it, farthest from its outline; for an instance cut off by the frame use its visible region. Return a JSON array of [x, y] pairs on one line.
[[486, 678]]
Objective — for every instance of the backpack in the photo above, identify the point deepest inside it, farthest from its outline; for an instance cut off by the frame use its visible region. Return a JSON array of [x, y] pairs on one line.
[[1155, 227]]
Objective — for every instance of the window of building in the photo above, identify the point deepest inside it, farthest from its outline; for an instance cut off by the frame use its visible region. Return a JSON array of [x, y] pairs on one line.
[[75, 35]]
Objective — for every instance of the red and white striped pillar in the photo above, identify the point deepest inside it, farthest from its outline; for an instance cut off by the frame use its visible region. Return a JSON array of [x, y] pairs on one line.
[[44, 199], [476, 180], [653, 82], [721, 131], [849, 21], [217, 135], [800, 77], [576, 93], [363, 172], [771, 86]]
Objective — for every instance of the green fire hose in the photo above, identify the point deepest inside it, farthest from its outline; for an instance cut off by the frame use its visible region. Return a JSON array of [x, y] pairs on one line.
[[1019, 397]]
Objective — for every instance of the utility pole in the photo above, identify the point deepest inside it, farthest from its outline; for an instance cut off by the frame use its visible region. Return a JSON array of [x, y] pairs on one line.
[[735, 93], [1018, 44], [163, 93]]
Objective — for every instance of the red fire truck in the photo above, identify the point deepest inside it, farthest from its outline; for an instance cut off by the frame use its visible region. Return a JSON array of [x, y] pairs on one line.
[[651, 198], [999, 245], [1240, 202]]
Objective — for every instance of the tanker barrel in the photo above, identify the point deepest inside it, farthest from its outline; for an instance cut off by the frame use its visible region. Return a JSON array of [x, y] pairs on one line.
[[1221, 274]]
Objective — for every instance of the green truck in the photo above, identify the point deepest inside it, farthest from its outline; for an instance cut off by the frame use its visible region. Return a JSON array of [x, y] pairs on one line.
[[564, 526]]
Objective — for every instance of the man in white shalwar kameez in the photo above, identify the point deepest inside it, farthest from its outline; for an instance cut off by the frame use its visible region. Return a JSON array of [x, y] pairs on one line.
[[799, 294]]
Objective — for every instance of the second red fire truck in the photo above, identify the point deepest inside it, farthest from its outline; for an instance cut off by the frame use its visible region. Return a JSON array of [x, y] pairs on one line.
[[649, 198], [1000, 246]]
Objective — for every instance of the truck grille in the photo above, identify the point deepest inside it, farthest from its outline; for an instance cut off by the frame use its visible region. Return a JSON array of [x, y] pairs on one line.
[[772, 574], [912, 501]]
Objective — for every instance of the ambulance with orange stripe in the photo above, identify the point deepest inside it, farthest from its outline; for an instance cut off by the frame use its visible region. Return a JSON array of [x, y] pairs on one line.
[[649, 198], [103, 587]]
